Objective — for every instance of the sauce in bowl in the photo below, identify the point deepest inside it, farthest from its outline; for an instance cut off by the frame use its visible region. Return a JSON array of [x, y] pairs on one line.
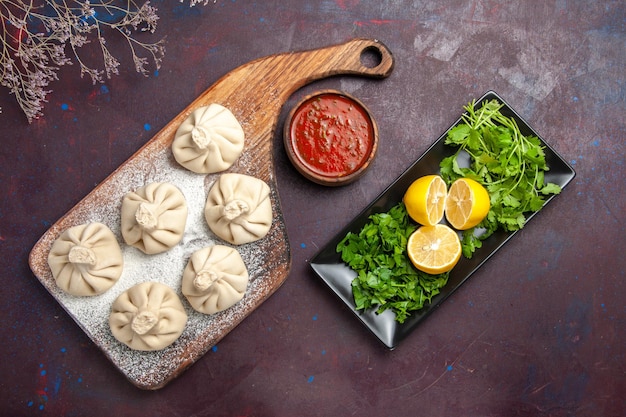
[[331, 138]]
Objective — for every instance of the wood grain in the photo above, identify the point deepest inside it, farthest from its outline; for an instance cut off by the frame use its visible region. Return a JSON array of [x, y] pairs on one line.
[[255, 93]]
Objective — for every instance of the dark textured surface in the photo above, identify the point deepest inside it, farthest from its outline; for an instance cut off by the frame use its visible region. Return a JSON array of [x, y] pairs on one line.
[[539, 330]]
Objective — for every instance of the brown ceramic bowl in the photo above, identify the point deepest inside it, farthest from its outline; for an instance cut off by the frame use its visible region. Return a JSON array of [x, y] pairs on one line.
[[330, 137]]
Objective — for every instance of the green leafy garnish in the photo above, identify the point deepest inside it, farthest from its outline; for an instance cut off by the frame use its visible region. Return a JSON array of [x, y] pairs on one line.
[[386, 279], [509, 164]]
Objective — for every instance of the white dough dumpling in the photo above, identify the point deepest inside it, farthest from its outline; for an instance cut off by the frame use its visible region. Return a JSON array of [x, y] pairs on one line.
[[154, 217], [214, 279], [86, 260], [148, 316], [210, 140], [238, 208]]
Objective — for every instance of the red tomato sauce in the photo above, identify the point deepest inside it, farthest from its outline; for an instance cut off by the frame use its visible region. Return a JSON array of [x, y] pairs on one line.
[[332, 135]]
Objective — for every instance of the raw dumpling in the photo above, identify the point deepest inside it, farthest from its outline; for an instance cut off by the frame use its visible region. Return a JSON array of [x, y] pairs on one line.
[[238, 208], [86, 259], [154, 217], [147, 316], [209, 140], [215, 278]]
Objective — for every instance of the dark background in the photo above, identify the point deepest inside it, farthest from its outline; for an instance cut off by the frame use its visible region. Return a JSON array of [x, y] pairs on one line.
[[537, 331]]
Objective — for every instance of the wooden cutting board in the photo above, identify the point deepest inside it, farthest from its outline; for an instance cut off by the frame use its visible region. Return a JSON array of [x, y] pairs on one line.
[[255, 93]]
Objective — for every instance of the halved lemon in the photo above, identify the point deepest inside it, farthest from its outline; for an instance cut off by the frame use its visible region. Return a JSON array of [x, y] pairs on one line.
[[434, 249], [425, 199], [467, 203]]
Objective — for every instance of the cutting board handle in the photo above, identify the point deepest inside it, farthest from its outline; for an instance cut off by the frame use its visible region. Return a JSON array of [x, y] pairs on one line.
[[270, 80], [366, 57]]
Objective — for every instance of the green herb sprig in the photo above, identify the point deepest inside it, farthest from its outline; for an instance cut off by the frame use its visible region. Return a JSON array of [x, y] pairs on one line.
[[386, 279], [509, 164]]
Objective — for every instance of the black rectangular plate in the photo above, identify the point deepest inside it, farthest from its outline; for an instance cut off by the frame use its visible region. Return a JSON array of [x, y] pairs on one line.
[[338, 276]]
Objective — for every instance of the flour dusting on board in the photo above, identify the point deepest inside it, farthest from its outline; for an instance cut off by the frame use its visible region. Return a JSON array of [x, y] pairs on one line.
[[267, 267]]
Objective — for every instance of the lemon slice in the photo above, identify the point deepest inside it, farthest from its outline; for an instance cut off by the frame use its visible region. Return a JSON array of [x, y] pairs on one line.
[[467, 204], [425, 199], [434, 249]]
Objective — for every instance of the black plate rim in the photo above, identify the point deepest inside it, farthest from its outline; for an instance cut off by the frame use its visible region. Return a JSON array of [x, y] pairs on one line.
[[383, 326]]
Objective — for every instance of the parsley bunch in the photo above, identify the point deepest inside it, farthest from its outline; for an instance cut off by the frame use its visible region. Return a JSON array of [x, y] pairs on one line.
[[509, 164], [386, 279]]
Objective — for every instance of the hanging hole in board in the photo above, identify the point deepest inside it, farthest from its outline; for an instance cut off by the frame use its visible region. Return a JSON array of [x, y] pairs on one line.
[[371, 57]]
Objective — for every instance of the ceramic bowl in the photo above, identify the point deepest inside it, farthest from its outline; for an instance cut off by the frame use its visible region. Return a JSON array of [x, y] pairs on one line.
[[330, 137]]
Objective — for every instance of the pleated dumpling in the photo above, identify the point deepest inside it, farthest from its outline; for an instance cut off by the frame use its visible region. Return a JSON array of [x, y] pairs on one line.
[[86, 259], [214, 279], [238, 208], [147, 316], [210, 140], [154, 217]]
